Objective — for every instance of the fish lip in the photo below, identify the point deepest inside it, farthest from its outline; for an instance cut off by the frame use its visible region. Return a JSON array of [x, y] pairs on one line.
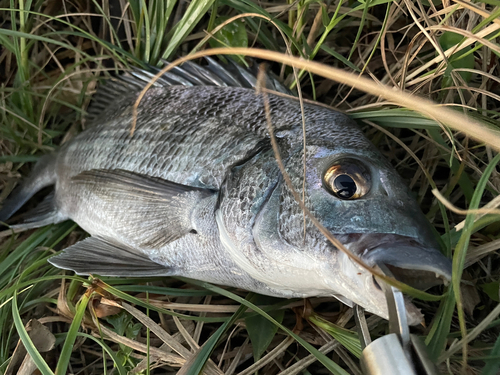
[[410, 262]]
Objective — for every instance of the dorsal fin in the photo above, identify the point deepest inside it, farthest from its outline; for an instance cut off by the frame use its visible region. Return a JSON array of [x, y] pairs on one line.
[[188, 74]]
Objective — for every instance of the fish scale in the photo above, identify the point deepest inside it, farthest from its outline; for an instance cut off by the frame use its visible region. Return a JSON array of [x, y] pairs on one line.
[[196, 192], [244, 193], [291, 217], [135, 153]]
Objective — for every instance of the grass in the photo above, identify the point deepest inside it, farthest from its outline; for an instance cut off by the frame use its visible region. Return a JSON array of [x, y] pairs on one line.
[[51, 59]]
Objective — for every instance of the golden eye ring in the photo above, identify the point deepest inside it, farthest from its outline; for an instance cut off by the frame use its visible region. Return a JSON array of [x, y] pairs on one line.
[[347, 179]]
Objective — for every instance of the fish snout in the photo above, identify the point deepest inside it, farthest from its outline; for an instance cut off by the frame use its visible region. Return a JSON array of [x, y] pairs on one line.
[[411, 263]]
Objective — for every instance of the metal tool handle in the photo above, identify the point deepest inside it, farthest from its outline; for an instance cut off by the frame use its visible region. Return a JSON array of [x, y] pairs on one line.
[[398, 352], [385, 356]]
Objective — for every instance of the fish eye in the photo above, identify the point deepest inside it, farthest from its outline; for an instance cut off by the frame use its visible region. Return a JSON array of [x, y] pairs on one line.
[[347, 179]]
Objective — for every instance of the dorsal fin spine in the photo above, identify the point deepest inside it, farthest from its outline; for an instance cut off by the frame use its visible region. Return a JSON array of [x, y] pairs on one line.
[[188, 74]]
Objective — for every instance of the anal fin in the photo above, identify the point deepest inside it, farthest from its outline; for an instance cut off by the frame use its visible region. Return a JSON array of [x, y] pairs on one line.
[[44, 214], [107, 258], [42, 176]]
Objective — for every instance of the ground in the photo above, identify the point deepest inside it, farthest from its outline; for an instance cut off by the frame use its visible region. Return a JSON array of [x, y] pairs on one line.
[[54, 53]]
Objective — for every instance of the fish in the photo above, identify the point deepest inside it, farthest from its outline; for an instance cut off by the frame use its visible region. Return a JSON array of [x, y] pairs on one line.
[[196, 191]]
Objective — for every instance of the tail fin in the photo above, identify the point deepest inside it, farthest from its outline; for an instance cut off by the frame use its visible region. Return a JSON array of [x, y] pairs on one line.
[[43, 175]]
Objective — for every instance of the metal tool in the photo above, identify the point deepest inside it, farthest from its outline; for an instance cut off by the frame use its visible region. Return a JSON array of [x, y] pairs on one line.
[[399, 352]]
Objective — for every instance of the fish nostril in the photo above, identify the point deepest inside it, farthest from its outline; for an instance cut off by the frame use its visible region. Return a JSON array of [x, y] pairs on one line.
[[385, 190], [385, 184]]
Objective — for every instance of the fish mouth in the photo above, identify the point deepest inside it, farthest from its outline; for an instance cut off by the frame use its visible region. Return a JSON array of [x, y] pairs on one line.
[[416, 265]]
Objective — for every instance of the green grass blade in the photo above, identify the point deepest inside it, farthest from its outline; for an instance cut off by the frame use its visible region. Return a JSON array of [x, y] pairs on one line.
[[108, 350], [162, 16], [265, 36], [327, 362], [18, 34], [492, 366], [207, 348], [139, 302], [396, 118], [18, 158], [345, 336], [261, 330], [27, 246], [28, 344], [107, 20], [454, 236], [461, 251], [438, 336], [163, 290], [64, 357], [147, 33], [116, 51], [4, 293], [464, 181], [463, 243], [360, 29], [195, 11], [341, 58]]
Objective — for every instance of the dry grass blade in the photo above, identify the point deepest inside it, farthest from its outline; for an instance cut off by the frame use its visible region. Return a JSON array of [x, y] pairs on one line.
[[211, 368], [200, 324], [468, 35], [194, 307], [457, 345], [150, 362], [453, 119], [495, 202], [43, 340], [302, 364], [185, 334], [153, 360], [207, 308], [279, 349], [148, 322], [479, 211], [236, 359], [10, 232], [232, 19], [475, 254], [475, 8], [172, 359], [411, 80], [52, 55]]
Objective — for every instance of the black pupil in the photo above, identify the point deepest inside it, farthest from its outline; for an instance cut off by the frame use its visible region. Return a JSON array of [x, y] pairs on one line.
[[345, 187]]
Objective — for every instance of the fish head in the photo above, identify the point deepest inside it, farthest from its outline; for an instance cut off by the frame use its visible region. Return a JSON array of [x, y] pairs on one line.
[[357, 195]]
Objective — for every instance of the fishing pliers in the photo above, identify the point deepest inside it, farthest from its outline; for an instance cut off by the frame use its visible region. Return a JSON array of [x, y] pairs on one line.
[[399, 352]]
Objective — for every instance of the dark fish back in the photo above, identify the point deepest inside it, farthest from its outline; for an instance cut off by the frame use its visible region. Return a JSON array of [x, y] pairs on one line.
[[194, 135]]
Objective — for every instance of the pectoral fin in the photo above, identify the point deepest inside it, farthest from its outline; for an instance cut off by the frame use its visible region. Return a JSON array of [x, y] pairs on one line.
[[150, 212], [107, 258]]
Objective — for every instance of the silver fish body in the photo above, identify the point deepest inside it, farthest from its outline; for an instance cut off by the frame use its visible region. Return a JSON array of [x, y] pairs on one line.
[[197, 192]]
